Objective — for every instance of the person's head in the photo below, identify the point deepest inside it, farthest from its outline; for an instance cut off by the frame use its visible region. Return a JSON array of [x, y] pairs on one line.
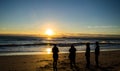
[[72, 46], [54, 45], [87, 44], [97, 43]]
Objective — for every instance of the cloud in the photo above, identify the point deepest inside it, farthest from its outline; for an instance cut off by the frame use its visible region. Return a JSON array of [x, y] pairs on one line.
[[102, 27]]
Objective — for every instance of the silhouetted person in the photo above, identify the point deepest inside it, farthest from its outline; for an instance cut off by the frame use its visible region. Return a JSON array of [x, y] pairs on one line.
[[97, 52], [55, 56], [72, 55], [87, 54]]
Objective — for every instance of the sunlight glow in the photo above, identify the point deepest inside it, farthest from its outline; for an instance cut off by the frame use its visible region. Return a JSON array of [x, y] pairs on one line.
[[48, 50], [49, 32]]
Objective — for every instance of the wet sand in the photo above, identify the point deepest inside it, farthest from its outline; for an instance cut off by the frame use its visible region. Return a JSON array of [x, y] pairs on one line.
[[109, 61]]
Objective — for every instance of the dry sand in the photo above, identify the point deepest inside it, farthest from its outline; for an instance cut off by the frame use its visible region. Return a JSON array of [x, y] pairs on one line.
[[109, 61]]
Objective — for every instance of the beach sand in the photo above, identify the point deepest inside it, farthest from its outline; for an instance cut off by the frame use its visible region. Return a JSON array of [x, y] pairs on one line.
[[109, 61]]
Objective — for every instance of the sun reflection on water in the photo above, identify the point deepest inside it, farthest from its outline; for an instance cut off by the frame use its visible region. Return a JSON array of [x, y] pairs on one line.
[[48, 50]]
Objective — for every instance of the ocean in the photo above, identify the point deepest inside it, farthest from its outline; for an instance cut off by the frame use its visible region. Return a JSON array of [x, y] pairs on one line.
[[29, 45]]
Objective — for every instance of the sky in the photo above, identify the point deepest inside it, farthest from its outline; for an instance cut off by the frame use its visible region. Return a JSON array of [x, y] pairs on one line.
[[62, 16]]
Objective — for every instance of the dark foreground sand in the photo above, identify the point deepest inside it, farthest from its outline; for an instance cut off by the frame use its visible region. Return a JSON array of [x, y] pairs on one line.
[[109, 61]]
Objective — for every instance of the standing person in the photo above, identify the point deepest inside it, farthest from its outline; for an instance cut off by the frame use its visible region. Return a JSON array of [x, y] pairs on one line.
[[97, 52], [72, 55], [87, 54], [55, 56]]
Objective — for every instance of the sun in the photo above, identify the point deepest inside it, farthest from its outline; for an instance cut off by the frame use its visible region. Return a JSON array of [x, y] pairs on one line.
[[49, 32]]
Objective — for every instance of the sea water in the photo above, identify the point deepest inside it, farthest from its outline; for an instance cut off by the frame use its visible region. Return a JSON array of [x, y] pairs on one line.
[[29, 45]]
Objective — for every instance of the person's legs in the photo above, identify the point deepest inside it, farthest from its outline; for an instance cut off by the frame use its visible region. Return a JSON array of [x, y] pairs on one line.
[[88, 62], [56, 63], [71, 63], [53, 63], [96, 60], [55, 66], [74, 62]]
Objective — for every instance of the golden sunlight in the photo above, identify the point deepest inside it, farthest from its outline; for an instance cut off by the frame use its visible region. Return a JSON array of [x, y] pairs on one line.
[[48, 50], [49, 32]]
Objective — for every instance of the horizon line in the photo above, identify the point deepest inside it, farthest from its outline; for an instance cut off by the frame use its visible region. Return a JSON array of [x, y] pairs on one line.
[[66, 35]]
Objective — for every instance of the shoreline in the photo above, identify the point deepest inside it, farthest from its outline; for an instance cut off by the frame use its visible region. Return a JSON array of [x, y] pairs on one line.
[[19, 53]]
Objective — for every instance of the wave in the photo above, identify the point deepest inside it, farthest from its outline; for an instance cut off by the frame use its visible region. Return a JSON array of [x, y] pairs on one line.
[[59, 44], [14, 41]]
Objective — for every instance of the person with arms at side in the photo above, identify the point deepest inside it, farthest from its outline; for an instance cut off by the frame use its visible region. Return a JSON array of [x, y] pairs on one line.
[[55, 51], [87, 55], [72, 56], [97, 52]]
